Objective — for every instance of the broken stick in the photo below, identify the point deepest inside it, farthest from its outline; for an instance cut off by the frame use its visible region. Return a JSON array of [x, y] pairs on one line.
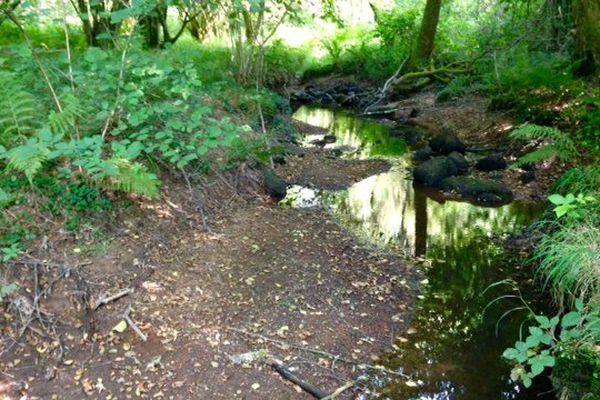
[[278, 366], [103, 299], [342, 389], [133, 325]]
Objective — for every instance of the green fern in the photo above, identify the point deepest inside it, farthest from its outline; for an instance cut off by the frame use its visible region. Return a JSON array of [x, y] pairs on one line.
[[17, 109], [62, 123], [133, 178], [28, 158], [559, 145]]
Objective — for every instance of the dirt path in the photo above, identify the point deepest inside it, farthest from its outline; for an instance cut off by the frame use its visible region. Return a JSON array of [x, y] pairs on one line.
[[288, 274]]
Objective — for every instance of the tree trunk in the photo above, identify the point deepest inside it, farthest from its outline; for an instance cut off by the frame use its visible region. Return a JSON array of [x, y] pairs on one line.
[[86, 22], [96, 21], [151, 29], [426, 41], [587, 17]]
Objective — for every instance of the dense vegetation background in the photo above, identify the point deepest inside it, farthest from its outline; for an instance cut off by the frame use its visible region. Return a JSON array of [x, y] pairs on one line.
[[106, 98]]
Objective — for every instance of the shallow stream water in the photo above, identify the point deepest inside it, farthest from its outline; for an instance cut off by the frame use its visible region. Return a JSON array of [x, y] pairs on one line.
[[452, 349]]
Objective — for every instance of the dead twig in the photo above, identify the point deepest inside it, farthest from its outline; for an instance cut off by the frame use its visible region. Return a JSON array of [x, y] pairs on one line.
[[345, 387], [104, 299], [133, 325]]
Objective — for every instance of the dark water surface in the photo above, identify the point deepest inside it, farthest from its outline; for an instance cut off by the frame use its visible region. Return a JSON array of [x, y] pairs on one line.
[[452, 349]]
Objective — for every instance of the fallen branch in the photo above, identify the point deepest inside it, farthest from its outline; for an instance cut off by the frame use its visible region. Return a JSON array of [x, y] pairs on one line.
[[105, 300], [133, 325], [436, 73], [278, 366], [334, 357], [345, 387], [385, 88]]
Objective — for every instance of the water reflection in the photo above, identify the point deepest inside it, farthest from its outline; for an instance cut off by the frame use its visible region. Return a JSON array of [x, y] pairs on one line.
[[452, 348], [365, 137], [387, 208]]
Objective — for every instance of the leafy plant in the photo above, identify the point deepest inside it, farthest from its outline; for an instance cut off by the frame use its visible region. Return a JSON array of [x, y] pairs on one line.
[[5, 290], [17, 110], [571, 205], [11, 252], [539, 348], [557, 144]]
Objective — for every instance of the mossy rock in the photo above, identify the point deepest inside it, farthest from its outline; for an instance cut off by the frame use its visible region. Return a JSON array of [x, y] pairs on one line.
[[433, 171], [481, 189], [576, 373]]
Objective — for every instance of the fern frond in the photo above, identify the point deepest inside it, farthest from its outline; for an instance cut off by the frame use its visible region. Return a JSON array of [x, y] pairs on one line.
[[62, 123], [538, 155], [133, 178], [561, 145], [27, 158], [18, 109]]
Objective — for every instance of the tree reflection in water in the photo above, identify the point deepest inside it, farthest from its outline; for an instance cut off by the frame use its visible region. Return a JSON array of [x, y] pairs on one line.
[[453, 350]]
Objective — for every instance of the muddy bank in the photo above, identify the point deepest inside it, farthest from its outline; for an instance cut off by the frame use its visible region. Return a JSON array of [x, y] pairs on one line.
[[291, 275]]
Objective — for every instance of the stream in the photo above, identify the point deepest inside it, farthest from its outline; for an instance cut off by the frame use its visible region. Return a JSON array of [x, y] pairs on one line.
[[452, 349]]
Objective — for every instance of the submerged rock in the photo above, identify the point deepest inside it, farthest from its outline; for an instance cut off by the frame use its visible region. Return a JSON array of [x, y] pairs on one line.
[[275, 185], [446, 144], [483, 190], [491, 163]]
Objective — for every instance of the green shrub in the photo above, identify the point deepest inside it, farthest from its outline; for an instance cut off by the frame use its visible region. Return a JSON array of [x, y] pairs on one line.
[[585, 179], [43, 36], [535, 84], [576, 374], [589, 120]]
